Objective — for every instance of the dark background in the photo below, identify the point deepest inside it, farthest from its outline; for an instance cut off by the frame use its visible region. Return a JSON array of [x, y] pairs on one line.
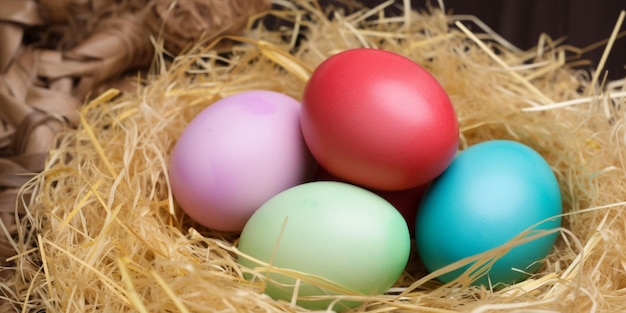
[[581, 22]]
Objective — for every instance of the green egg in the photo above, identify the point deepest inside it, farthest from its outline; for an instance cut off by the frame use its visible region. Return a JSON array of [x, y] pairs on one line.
[[325, 238]]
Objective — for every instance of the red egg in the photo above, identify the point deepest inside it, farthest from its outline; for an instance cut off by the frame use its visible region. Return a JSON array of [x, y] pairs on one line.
[[378, 119]]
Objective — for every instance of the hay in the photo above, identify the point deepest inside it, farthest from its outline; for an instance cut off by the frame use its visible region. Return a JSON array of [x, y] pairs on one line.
[[103, 233]]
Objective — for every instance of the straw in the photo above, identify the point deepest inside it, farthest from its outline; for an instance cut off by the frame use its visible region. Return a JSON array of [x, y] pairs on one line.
[[103, 232]]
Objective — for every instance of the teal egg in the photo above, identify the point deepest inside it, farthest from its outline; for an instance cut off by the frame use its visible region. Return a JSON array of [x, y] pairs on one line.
[[340, 238], [491, 192]]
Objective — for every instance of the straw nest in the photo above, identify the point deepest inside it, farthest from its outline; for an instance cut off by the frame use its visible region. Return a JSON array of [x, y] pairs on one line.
[[103, 232]]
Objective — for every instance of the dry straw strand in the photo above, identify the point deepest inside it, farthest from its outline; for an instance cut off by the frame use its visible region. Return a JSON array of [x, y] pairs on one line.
[[492, 54], [607, 50]]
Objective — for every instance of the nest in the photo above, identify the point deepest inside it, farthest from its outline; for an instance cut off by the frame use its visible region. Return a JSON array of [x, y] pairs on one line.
[[102, 232]]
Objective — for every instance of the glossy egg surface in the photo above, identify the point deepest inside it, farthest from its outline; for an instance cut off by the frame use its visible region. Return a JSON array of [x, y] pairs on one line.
[[492, 192], [378, 119]]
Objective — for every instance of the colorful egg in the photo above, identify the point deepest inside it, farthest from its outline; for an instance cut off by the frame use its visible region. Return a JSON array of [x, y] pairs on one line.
[[405, 201], [336, 238], [377, 119], [491, 193], [235, 155]]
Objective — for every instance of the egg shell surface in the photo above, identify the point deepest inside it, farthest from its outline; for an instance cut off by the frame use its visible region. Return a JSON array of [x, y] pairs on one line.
[[332, 232], [235, 155], [378, 119], [405, 201], [492, 192]]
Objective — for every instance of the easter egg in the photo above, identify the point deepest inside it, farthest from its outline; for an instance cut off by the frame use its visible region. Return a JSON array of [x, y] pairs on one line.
[[405, 201], [235, 155], [378, 119], [325, 238], [491, 193]]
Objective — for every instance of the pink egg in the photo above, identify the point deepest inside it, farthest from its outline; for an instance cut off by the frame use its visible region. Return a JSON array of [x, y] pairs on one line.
[[235, 155]]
